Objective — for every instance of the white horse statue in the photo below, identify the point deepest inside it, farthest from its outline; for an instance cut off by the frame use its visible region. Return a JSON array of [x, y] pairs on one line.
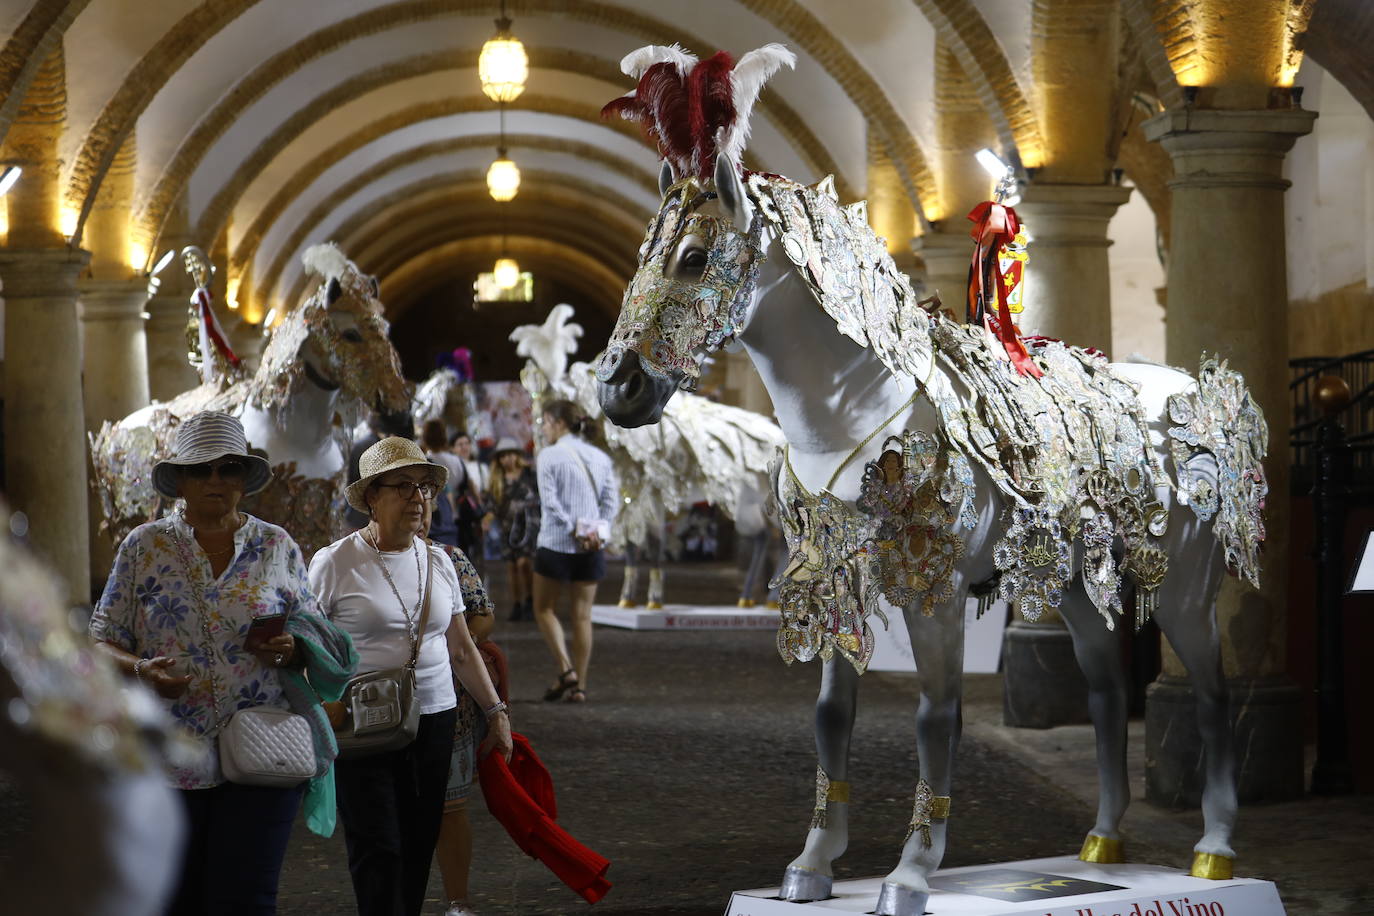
[[925, 456], [329, 361], [702, 450]]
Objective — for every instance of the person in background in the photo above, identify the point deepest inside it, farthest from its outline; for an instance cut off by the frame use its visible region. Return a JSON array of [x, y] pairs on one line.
[[379, 426], [372, 583], [454, 850], [513, 506], [444, 527], [579, 498], [468, 497], [175, 614]]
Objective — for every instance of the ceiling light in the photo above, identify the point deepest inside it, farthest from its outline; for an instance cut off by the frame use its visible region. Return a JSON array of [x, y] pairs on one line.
[[503, 65], [9, 177], [506, 273], [503, 178]]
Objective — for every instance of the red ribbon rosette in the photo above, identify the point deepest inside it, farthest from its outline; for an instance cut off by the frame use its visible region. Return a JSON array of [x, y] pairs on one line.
[[994, 227]]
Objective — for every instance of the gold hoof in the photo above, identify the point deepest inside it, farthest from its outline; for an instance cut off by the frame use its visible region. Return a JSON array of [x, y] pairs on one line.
[[627, 603], [1212, 866], [653, 606], [1101, 850], [746, 602], [773, 606]]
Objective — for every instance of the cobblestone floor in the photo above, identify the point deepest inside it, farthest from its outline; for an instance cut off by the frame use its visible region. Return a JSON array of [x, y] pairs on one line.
[[691, 769]]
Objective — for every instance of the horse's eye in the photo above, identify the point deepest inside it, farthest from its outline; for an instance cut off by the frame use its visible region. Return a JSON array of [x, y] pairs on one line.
[[694, 260], [352, 335]]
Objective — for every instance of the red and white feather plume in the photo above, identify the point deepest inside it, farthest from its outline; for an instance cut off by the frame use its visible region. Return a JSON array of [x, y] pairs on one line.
[[695, 110]]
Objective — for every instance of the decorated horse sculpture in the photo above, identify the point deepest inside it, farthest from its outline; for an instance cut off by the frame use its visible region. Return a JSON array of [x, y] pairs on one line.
[[926, 456], [325, 364], [702, 450]]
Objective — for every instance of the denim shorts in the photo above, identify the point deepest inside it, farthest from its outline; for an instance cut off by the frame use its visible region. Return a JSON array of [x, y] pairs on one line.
[[570, 567]]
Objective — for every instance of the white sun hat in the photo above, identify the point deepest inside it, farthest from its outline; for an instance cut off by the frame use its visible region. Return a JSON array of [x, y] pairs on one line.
[[389, 454], [205, 437]]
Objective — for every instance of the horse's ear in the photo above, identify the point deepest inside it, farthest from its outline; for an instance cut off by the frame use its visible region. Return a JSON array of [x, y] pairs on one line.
[[734, 200], [376, 287], [334, 292], [666, 178]]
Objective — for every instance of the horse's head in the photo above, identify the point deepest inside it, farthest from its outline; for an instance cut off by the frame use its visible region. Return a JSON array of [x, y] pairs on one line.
[[694, 287], [337, 339]]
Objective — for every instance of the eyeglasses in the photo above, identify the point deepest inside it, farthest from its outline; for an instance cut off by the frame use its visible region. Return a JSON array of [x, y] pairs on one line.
[[407, 489], [232, 469]]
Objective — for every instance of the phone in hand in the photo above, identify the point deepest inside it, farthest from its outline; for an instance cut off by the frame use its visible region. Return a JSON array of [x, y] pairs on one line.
[[264, 628]]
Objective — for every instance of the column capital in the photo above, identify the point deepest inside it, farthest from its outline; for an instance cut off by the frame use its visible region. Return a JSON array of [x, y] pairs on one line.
[[1070, 215], [1219, 149], [113, 300], [164, 307], [42, 273]]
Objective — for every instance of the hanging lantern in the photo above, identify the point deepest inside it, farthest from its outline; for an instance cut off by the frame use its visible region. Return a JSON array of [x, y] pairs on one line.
[[503, 178], [503, 65], [506, 273]]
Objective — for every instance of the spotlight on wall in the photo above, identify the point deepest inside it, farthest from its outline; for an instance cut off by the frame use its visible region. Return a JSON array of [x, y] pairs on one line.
[[1190, 95], [992, 164], [271, 317], [163, 261], [9, 177]]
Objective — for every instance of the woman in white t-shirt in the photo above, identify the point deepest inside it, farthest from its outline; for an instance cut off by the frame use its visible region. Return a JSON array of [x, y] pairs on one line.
[[370, 583]]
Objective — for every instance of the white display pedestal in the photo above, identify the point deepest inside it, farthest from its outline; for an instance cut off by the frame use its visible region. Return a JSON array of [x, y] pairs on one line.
[[1062, 886], [982, 641], [686, 617]]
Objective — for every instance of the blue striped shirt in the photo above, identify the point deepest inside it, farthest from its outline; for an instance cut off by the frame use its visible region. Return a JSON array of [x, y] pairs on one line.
[[565, 493]]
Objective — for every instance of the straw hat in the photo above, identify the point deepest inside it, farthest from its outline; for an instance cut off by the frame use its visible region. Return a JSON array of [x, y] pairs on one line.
[[203, 438], [389, 454], [506, 444]]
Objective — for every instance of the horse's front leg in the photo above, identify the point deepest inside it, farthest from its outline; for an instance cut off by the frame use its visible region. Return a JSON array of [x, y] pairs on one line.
[[631, 583], [809, 876], [938, 644]]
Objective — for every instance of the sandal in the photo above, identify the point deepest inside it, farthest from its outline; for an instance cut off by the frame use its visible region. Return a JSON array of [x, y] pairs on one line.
[[563, 686], [578, 695]]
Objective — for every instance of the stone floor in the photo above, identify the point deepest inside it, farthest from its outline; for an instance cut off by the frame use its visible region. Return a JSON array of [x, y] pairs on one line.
[[691, 769]]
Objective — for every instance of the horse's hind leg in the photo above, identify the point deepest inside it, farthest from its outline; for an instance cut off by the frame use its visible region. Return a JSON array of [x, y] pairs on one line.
[[1098, 652], [631, 583], [1187, 616], [809, 877], [938, 644]]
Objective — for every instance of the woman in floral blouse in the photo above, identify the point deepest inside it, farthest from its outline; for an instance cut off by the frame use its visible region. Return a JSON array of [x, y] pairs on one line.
[[175, 614]]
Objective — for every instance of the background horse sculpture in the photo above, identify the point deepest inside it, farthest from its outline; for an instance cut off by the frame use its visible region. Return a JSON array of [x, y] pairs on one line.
[[702, 450], [326, 363], [926, 456]]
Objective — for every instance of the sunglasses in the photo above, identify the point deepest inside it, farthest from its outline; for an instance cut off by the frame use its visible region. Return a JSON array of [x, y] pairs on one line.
[[231, 469]]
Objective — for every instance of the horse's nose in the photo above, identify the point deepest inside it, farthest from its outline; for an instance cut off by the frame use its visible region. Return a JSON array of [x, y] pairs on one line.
[[622, 364]]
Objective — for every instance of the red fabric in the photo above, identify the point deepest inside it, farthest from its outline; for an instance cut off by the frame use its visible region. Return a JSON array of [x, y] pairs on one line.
[[520, 796], [995, 225], [207, 316]]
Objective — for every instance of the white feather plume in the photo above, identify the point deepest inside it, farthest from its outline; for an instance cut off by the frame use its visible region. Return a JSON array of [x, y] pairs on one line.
[[326, 261], [635, 63], [747, 79]]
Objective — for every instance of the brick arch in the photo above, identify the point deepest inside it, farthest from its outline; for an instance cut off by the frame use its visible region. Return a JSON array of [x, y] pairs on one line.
[[980, 55], [410, 223], [442, 258], [246, 252], [193, 149], [810, 34], [547, 257], [194, 30], [1338, 38], [1146, 19], [554, 189], [28, 47]]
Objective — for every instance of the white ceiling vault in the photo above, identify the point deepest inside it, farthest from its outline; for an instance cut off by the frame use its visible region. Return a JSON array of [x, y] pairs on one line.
[[271, 126]]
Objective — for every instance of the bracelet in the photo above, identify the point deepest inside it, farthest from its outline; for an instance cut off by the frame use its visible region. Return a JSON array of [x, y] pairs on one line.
[[138, 668], [493, 710]]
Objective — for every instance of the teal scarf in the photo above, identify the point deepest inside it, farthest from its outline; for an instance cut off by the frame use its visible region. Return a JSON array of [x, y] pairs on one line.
[[330, 660]]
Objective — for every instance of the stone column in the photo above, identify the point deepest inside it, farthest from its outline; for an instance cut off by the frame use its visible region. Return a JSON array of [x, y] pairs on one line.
[[45, 452], [1068, 284], [947, 256], [115, 376], [1227, 295], [169, 370]]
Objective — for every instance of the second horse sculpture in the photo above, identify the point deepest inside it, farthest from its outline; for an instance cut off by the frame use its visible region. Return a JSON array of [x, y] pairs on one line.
[[925, 456]]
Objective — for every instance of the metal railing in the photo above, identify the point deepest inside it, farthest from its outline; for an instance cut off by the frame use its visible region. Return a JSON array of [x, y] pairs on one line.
[[1357, 418]]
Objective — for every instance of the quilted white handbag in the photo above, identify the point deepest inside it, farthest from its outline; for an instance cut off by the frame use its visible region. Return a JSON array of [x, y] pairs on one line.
[[266, 746]]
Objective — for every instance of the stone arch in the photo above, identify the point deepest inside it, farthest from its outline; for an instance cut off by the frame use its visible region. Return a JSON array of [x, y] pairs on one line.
[[1146, 19], [191, 33], [246, 252], [556, 190], [1338, 38], [191, 152], [27, 48], [985, 65]]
